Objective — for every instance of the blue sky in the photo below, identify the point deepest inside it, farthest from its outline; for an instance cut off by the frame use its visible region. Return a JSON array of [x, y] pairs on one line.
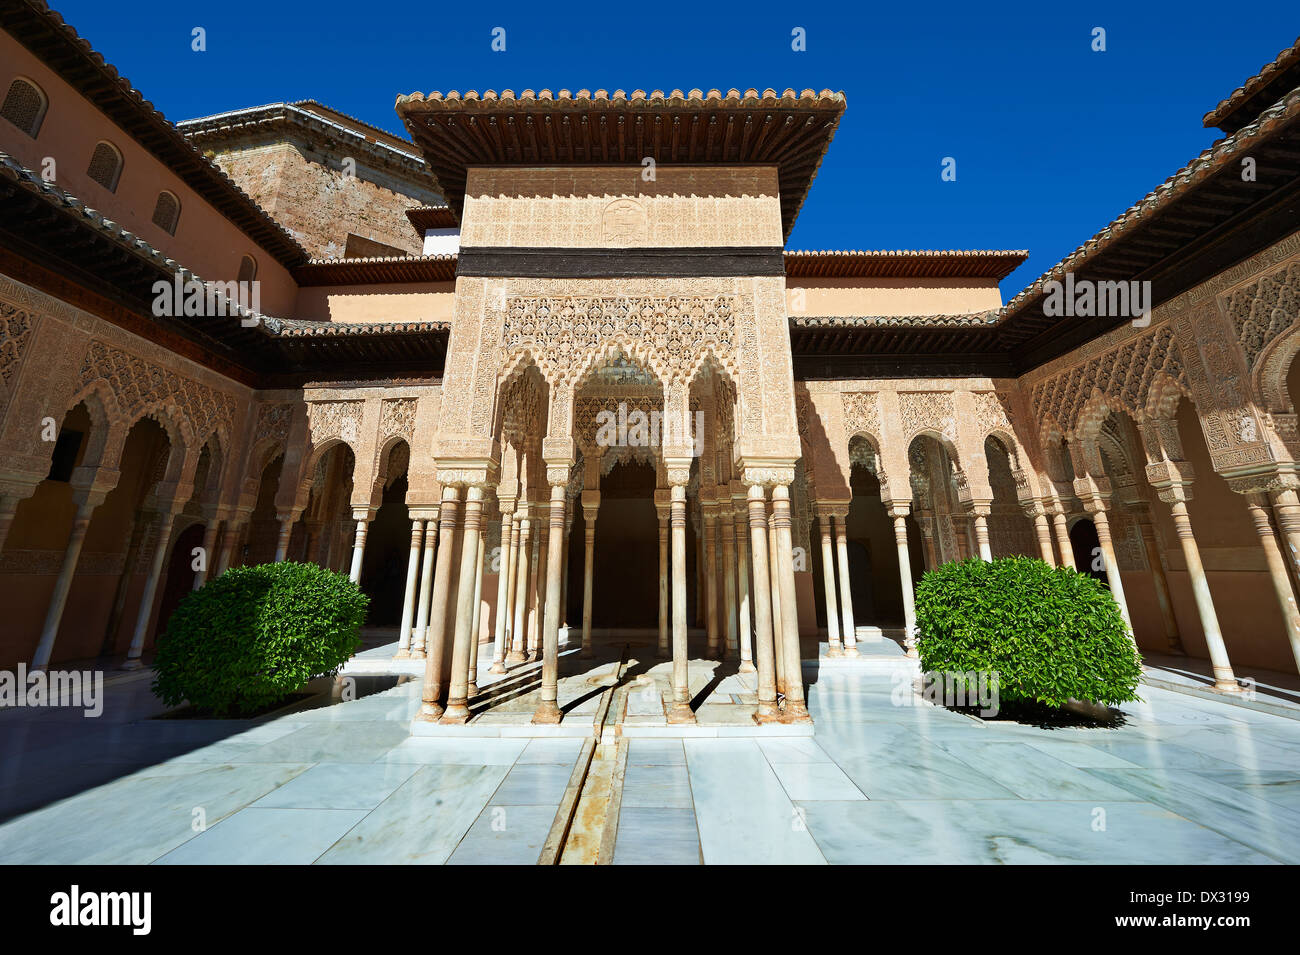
[[1052, 140]]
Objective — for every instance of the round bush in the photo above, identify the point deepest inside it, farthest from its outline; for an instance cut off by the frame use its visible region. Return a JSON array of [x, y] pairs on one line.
[[249, 638], [1050, 633]]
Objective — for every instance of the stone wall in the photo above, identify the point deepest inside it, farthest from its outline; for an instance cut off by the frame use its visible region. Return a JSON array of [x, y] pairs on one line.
[[310, 195]]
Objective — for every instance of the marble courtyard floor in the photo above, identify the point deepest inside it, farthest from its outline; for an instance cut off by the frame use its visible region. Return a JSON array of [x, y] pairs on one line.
[[1184, 779]]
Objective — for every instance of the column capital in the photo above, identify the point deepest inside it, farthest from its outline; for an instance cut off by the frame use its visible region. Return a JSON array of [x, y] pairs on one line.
[[898, 510], [832, 509], [773, 474], [677, 470]]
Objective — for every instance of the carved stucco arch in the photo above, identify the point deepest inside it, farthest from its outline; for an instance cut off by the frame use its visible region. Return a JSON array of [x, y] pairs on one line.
[[1162, 398], [1268, 377], [108, 426]]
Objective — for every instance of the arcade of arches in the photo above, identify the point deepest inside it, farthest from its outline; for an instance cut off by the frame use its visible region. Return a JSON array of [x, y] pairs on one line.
[[623, 427]]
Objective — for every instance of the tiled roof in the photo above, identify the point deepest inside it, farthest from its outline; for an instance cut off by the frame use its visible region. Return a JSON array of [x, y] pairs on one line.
[[910, 263], [378, 270], [43, 31], [1222, 152], [432, 217], [960, 320], [788, 130], [1282, 75]]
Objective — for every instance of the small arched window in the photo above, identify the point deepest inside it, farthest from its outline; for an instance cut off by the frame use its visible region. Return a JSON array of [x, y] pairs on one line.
[[167, 213], [247, 269], [24, 106], [105, 166]]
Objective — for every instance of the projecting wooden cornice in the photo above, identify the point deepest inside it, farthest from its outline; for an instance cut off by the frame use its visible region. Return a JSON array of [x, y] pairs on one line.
[[788, 130]]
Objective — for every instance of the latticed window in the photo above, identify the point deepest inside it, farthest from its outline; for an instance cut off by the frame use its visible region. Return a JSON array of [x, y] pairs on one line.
[[167, 212], [247, 269], [24, 106], [105, 166]]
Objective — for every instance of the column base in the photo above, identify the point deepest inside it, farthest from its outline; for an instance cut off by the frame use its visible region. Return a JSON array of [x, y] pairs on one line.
[[417, 654], [429, 712], [473, 688], [586, 653], [402, 655], [834, 650], [457, 713], [851, 653], [1228, 689], [547, 714], [795, 713], [131, 663], [532, 657], [767, 713], [663, 653], [747, 667], [681, 713], [498, 666]]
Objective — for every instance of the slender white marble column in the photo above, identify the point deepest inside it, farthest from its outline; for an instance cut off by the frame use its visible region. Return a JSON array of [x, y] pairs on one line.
[[833, 648], [449, 511], [589, 512], [424, 599], [899, 513], [1173, 640], [743, 609], [282, 542], [161, 549], [209, 545], [234, 531], [1042, 532], [840, 522], [710, 513], [548, 709], [728, 530], [795, 708], [1286, 510], [1258, 504], [63, 583], [765, 650], [362, 517], [1101, 522], [774, 584], [518, 648], [665, 580], [464, 642], [408, 595], [1062, 529], [501, 629], [680, 711], [980, 520], [1224, 679], [475, 627], [537, 622]]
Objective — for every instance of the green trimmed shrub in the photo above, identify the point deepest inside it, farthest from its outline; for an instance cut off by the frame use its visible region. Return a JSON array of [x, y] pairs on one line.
[[1050, 633], [247, 639]]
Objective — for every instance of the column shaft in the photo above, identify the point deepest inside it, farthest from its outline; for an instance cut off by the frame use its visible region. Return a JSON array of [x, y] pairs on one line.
[[436, 635], [145, 612], [665, 582], [505, 574], [840, 523], [463, 641], [795, 708], [743, 608], [834, 649], [764, 650], [1277, 571], [424, 599], [209, 545], [680, 711], [905, 580], [1224, 679], [588, 572], [62, 585], [408, 595], [1062, 529], [520, 617], [548, 709]]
